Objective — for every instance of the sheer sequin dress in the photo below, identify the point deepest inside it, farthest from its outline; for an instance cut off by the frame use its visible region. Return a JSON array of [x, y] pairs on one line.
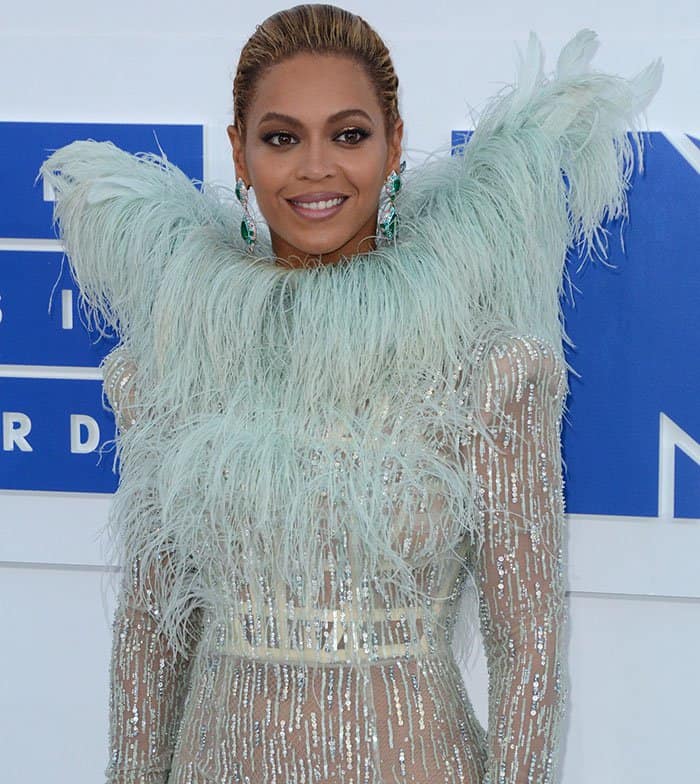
[[279, 693]]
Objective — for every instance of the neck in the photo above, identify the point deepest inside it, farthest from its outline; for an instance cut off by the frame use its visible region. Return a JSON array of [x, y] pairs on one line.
[[297, 258], [308, 261]]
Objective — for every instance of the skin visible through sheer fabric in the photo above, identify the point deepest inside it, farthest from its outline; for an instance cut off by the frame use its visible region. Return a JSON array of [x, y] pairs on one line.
[[271, 694]]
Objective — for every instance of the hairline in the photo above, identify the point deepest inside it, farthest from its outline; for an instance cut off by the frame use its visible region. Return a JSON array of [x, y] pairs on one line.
[[323, 52]]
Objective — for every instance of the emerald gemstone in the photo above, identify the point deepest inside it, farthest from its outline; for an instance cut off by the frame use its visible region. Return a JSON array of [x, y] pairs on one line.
[[393, 185], [388, 225]]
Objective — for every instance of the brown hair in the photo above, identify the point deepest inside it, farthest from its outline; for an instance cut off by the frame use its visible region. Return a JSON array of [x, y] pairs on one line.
[[321, 29]]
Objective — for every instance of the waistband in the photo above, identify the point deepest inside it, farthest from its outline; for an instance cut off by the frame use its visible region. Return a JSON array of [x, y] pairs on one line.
[[320, 636]]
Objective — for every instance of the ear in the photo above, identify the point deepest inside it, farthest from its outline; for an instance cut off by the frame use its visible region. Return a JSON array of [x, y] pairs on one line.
[[238, 149], [394, 158]]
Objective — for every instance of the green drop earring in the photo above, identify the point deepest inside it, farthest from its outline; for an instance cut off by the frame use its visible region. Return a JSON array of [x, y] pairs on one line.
[[388, 218], [248, 229]]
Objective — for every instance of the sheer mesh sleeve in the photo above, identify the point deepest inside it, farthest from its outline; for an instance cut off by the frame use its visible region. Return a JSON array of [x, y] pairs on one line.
[[148, 681], [521, 571]]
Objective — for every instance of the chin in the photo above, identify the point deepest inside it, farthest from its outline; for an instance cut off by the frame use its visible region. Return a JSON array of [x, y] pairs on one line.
[[320, 248]]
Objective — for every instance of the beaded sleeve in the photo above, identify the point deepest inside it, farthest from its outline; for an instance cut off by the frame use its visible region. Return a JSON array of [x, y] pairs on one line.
[[520, 568], [148, 680]]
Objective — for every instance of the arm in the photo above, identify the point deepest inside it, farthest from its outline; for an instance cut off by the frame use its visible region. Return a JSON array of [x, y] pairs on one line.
[[148, 679], [520, 567]]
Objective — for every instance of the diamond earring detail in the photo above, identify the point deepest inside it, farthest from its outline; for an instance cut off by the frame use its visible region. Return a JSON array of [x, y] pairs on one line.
[[248, 229], [388, 220]]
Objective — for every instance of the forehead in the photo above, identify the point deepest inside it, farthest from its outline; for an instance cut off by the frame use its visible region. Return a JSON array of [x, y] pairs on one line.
[[310, 85]]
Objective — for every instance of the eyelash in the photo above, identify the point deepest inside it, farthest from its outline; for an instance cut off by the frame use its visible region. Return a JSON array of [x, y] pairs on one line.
[[362, 132]]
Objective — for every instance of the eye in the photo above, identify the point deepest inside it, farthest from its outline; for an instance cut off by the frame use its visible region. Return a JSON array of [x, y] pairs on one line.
[[354, 135], [283, 139]]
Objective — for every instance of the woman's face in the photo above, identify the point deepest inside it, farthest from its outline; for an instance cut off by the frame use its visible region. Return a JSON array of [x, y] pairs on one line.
[[316, 154]]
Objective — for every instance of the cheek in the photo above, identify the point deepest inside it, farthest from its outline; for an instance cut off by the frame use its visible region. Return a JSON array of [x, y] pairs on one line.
[[369, 176], [269, 174], [371, 192]]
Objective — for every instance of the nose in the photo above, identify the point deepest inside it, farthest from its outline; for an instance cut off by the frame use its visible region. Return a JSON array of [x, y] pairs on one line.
[[316, 160]]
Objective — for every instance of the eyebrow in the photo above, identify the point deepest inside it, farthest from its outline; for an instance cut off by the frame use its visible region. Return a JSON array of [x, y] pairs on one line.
[[293, 122]]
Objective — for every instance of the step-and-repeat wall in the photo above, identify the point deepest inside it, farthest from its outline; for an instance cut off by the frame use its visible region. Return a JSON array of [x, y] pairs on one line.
[[54, 426], [631, 444]]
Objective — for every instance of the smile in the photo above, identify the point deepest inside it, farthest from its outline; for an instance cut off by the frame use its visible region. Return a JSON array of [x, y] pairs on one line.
[[324, 208]]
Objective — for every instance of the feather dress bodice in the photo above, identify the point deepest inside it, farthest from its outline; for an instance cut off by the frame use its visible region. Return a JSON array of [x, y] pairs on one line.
[[316, 463]]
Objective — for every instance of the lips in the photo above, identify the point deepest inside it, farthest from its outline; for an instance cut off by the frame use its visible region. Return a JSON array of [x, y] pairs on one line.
[[317, 205]]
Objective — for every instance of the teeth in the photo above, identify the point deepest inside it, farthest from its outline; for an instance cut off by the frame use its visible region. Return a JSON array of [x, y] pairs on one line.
[[318, 205]]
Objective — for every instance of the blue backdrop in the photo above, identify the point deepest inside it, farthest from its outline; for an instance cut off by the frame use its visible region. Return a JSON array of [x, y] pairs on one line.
[[40, 321], [635, 322]]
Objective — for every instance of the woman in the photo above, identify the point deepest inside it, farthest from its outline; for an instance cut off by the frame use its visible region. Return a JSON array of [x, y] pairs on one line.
[[324, 439]]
